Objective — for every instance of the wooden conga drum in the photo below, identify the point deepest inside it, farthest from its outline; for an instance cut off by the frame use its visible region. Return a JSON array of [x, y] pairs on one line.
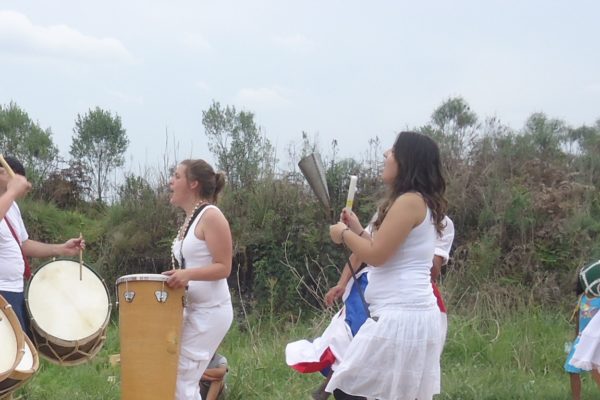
[[150, 320]]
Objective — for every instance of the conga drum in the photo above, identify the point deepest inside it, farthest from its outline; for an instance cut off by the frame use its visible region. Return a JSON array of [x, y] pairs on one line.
[[589, 277], [69, 313], [11, 340], [23, 372], [150, 320]]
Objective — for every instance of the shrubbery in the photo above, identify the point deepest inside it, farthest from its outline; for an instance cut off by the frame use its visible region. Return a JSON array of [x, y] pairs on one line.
[[526, 206]]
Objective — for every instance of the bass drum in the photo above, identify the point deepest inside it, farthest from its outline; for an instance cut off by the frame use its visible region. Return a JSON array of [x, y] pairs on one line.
[[69, 313], [11, 339], [23, 372]]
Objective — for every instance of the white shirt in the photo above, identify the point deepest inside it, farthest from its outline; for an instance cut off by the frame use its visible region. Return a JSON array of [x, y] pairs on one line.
[[405, 279], [11, 258], [443, 244], [197, 255]]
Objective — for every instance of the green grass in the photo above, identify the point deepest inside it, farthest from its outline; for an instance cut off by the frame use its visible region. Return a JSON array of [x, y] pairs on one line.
[[518, 357]]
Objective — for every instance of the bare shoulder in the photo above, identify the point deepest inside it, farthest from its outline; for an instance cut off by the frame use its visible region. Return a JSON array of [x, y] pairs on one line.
[[410, 205], [410, 200], [214, 215]]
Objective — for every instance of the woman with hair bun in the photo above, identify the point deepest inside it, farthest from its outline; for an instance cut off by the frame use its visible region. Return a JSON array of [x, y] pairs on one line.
[[203, 249]]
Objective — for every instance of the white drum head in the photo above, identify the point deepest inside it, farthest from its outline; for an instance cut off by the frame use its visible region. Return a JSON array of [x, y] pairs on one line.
[[142, 277], [64, 306], [26, 363], [8, 344]]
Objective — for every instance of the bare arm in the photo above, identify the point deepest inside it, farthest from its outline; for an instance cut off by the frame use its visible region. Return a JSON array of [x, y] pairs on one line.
[[406, 212], [214, 229], [338, 290], [436, 268], [71, 247], [16, 187]]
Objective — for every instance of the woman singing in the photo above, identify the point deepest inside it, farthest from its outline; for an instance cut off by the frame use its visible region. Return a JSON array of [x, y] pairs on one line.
[[203, 248]]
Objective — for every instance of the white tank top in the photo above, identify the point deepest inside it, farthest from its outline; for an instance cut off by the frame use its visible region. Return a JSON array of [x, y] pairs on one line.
[[405, 279], [197, 255]]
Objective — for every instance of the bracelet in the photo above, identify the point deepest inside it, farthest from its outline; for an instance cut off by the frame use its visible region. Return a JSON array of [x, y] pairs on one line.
[[342, 235]]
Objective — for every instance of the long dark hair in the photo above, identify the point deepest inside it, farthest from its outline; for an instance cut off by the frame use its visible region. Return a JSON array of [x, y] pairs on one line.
[[419, 170]]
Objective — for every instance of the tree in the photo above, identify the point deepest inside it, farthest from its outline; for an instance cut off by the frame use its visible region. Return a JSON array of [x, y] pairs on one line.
[[26, 140], [453, 125], [99, 143], [242, 152], [546, 135]]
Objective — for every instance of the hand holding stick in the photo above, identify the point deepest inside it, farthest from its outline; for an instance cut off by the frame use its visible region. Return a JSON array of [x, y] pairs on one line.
[[7, 167], [351, 191]]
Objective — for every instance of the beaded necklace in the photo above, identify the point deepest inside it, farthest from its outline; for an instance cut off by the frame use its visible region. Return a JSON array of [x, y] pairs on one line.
[[183, 230]]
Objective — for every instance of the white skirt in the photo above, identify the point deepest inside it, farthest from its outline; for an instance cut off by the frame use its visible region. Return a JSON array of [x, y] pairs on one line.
[[587, 352], [396, 357]]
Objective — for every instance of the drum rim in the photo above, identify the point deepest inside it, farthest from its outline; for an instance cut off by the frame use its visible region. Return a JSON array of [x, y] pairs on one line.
[[16, 327], [55, 339], [141, 277], [23, 374]]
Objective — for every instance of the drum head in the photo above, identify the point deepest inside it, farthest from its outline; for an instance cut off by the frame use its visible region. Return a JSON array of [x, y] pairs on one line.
[[30, 361], [65, 306], [11, 339], [142, 277]]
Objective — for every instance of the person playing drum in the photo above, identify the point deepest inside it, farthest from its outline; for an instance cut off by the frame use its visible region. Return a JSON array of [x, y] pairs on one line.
[[203, 248], [15, 244]]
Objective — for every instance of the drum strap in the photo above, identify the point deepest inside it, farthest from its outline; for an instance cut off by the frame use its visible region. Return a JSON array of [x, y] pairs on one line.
[[27, 272], [193, 217]]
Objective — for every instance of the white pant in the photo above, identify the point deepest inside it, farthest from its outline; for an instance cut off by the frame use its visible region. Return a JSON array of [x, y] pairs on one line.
[[202, 333]]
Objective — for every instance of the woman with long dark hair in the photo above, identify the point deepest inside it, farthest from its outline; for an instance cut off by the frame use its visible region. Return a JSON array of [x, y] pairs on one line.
[[396, 353]]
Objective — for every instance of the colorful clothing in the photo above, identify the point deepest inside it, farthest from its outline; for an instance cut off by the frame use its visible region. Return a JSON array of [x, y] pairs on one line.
[[588, 308]]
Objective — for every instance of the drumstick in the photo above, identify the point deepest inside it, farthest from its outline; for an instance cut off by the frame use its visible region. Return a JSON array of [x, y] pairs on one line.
[[80, 257], [351, 191], [7, 167]]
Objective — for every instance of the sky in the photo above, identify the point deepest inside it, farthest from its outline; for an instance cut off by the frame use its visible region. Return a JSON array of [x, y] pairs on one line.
[[344, 70]]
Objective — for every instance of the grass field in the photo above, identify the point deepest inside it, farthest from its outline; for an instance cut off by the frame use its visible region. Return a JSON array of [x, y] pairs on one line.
[[518, 357]]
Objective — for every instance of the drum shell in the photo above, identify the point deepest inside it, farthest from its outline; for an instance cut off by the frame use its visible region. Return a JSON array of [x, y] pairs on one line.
[[149, 332], [19, 377], [10, 322], [60, 350]]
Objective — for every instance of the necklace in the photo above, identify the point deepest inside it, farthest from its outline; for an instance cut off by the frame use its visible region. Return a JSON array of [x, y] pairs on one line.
[[188, 220], [183, 229]]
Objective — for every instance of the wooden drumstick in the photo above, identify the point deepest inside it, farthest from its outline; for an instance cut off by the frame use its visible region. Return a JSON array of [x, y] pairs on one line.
[[80, 257], [7, 167]]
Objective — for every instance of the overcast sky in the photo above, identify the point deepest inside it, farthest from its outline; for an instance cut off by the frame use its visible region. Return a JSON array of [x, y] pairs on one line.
[[345, 70]]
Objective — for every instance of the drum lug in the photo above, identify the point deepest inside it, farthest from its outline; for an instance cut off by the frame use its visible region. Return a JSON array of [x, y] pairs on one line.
[[129, 295], [161, 296]]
